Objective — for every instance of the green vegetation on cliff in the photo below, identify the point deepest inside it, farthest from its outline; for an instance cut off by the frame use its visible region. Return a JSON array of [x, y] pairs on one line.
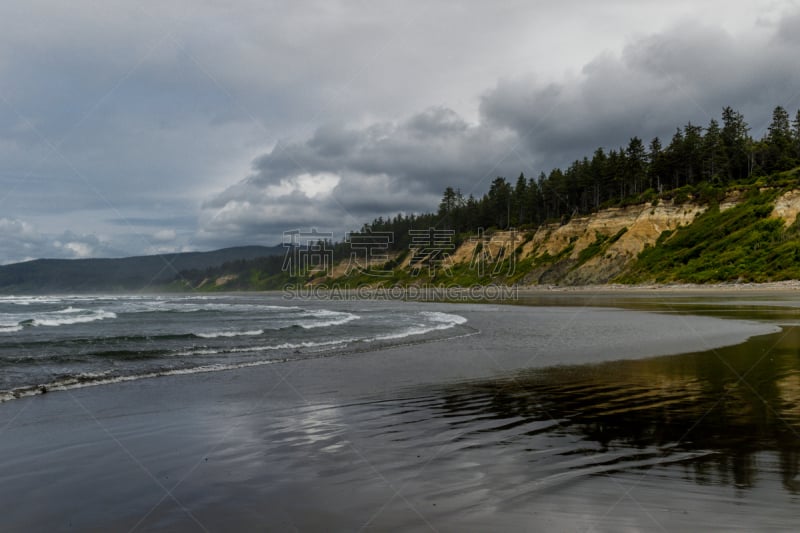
[[742, 243]]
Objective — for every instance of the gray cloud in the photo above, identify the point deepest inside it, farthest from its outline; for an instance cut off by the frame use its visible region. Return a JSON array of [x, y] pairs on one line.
[[115, 117], [378, 170], [657, 82], [685, 73], [789, 29], [22, 241]]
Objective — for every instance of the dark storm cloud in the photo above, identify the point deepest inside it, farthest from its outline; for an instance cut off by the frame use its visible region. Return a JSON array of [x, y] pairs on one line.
[[377, 170], [117, 114], [658, 82], [427, 151], [789, 29], [151, 222]]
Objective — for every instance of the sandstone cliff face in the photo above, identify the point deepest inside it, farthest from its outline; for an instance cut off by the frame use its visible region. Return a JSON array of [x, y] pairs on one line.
[[644, 225], [555, 251], [787, 207]]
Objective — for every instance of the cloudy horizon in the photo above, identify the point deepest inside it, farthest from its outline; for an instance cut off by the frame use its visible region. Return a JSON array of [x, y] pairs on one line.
[[128, 130]]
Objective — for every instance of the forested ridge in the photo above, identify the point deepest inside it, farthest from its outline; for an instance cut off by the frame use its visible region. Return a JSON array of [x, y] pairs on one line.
[[699, 163]]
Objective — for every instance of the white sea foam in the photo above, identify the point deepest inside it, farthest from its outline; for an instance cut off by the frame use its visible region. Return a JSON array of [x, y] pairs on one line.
[[70, 309], [9, 322], [334, 318], [178, 306], [56, 318], [440, 321], [149, 303], [444, 318], [94, 379], [216, 334], [28, 300], [12, 322], [263, 348]]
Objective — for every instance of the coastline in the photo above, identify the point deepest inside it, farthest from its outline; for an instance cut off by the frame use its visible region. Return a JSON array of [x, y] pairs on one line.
[[295, 444], [721, 288]]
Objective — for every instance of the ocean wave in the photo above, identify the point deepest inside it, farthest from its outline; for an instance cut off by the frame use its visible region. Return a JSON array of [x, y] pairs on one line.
[[93, 379], [70, 309], [80, 342], [56, 319], [216, 334], [444, 318], [177, 306], [239, 356], [28, 300], [263, 348], [441, 321], [90, 379], [150, 304], [10, 323], [334, 318]]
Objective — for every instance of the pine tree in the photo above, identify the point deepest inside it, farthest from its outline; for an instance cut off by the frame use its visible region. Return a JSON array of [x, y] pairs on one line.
[[675, 159], [448, 202], [518, 212], [655, 164], [796, 135], [635, 163], [597, 169], [715, 164], [735, 143], [499, 199], [778, 145], [692, 152]]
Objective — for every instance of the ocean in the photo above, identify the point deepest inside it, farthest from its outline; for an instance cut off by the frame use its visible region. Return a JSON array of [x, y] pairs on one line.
[[59, 342]]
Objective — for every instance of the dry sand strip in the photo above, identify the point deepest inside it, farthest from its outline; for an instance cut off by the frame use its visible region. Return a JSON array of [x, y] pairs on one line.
[[721, 288]]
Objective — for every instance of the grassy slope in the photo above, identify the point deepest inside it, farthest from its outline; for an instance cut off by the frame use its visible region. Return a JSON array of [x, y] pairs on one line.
[[740, 244]]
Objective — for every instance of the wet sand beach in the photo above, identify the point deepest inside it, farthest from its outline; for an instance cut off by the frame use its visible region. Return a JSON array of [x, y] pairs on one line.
[[568, 417]]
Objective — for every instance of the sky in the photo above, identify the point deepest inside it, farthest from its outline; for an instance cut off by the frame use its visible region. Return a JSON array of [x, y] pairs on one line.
[[132, 128]]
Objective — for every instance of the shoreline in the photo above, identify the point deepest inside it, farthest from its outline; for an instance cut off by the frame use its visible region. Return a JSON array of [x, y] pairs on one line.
[[770, 286], [722, 288]]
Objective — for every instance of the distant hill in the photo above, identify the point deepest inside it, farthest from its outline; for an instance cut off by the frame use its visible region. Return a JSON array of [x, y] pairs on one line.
[[141, 273]]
